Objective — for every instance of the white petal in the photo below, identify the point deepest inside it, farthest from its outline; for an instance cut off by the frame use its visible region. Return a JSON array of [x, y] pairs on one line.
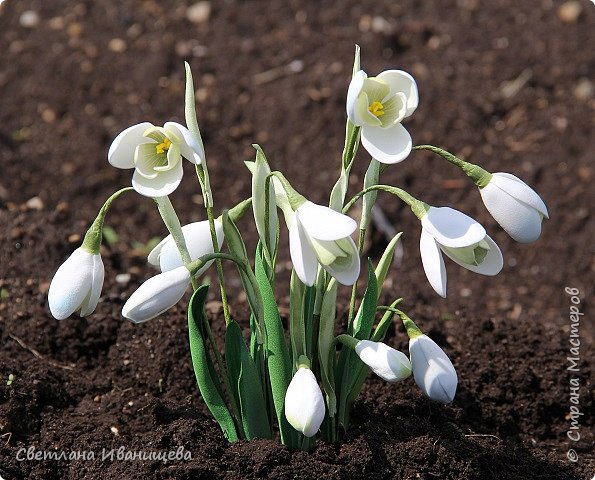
[[190, 147], [492, 263], [346, 276], [387, 145], [302, 256], [400, 81], [324, 223], [386, 362], [304, 404], [521, 221], [197, 236], [121, 151], [154, 254], [433, 371], [160, 186], [518, 189], [156, 295], [433, 263], [92, 300], [355, 87], [71, 284], [452, 228]]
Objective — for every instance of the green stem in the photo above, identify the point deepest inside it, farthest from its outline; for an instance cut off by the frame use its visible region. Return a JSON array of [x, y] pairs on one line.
[[92, 241], [418, 207], [410, 326], [479, 176], [172, 222], [219, 265], [360, 249]]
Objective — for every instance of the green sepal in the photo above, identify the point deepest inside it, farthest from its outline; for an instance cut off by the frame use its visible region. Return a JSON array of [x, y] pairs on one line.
[[277, 353], [204, 370], [244, 376]]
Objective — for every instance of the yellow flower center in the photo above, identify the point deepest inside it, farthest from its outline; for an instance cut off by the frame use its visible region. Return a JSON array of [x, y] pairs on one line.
[[376, 109], [163, 146]]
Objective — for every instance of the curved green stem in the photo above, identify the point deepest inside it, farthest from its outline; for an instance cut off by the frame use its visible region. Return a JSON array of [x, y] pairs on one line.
[[418, 207], [92, 241], [479, 176], [360, 249], [172, 222]]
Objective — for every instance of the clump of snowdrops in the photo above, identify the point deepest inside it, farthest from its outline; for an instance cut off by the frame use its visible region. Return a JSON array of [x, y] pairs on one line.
[[302, 382]]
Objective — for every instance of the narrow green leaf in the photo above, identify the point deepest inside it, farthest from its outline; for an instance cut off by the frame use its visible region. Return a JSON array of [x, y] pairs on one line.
[[277, 353], [296, 318], [326, 345], [203, 366], [386, 261], [243, 373], [362, 324], [369, 199], [238, 248]]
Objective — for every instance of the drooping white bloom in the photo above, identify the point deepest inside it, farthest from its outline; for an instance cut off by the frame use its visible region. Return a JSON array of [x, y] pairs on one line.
[[433, 371], [459, 237], [156, 295], [319, 235], [156, 155], [379, 105], [77, 284], [386, 362], [515, 206], [197, 236], [304, 405]]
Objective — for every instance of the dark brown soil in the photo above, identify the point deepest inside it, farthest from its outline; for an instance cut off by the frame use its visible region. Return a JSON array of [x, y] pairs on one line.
[[100, 383]]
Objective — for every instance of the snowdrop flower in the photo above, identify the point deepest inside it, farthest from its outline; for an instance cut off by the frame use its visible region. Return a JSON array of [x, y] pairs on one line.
[[459, 237], [378, 105], [156, 295], [515, 206], [319, 235], [197, 236], [304, 405], [432, 369], [386, 362], [77, 284], [156, 155]]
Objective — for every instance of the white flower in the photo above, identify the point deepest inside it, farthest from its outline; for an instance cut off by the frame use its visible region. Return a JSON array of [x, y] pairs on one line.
[[197, 235], [386, 362], [156, 155], [304, 405], [378, 105], [432, 369], [320, 235], [77, 284], [156, 295], [515, 206], [459, 237]]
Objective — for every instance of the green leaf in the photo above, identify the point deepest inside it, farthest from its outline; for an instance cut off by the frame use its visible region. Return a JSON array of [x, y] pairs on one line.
[[386, 261], [296, 318], [369, 199], [326, 345], [238, 249], [277, 353], [243, 373], [362, 324], [264, 205], [208, 383]]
